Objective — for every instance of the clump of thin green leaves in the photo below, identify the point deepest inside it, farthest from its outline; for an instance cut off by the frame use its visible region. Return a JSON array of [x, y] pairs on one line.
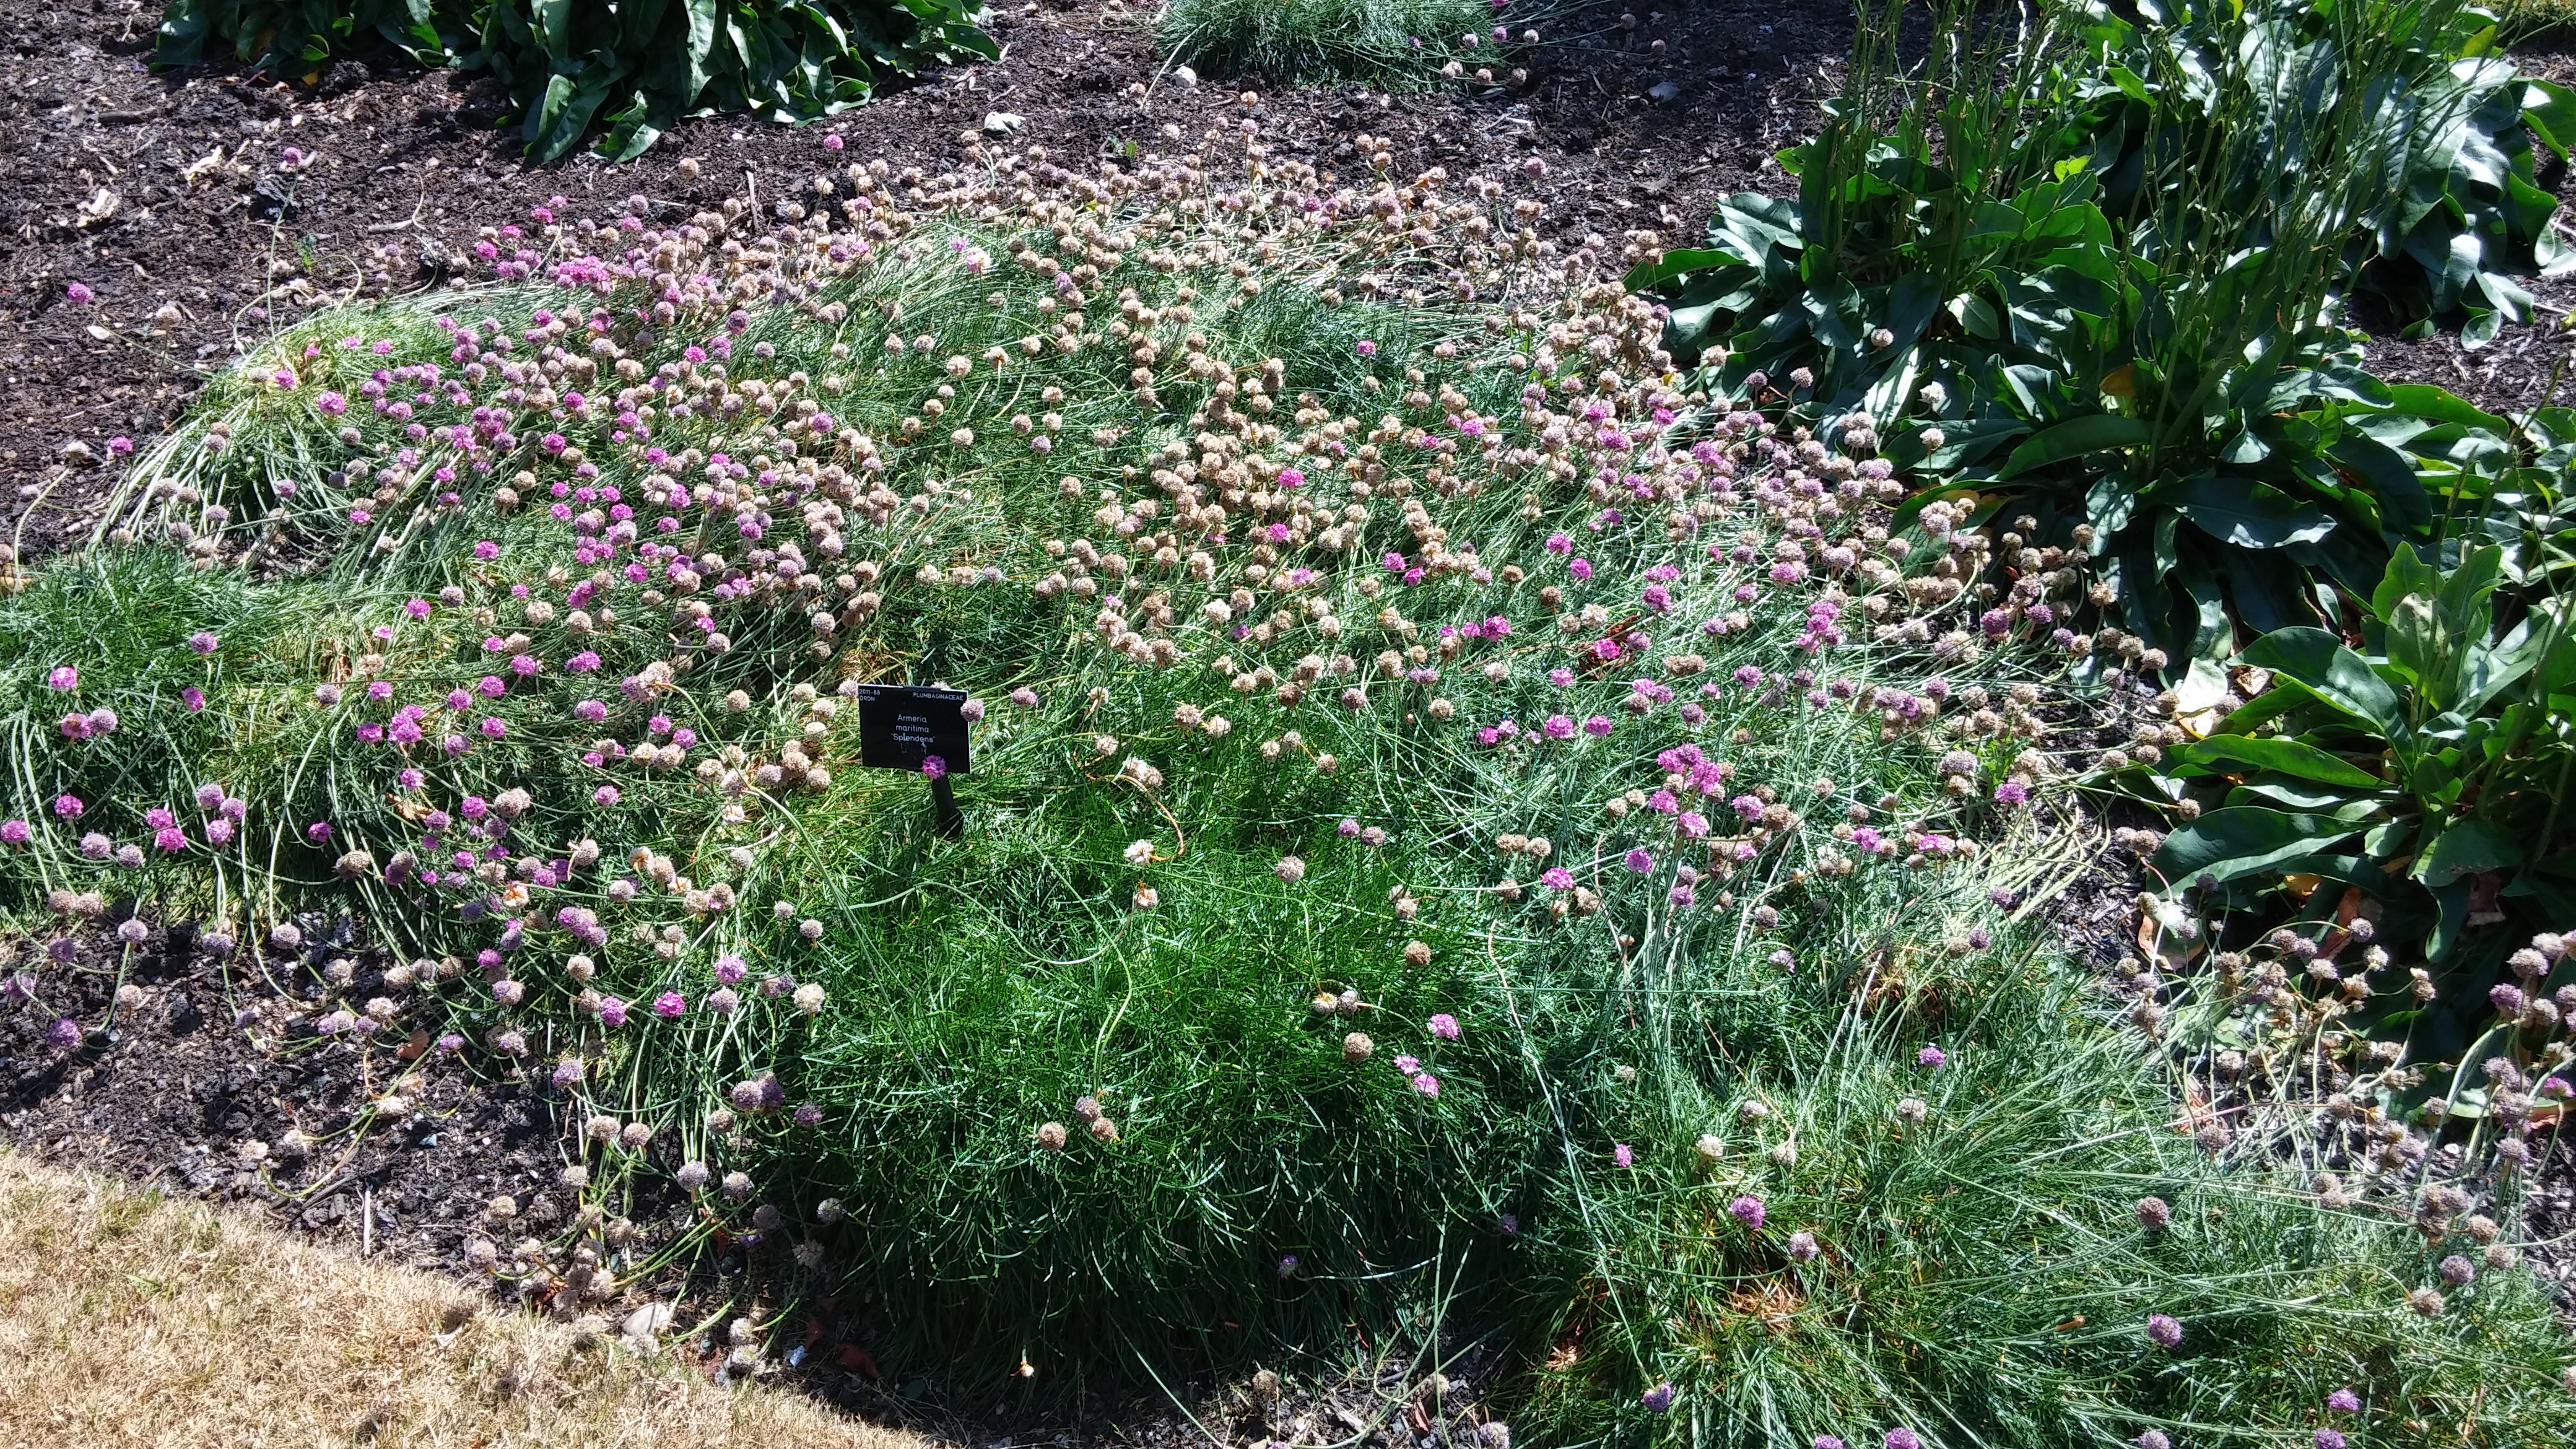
[[1913, 1183], [1407, 45], [592, 70]]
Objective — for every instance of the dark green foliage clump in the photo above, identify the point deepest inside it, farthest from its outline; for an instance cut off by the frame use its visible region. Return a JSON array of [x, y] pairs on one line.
[[2092, 266], [623, 73]]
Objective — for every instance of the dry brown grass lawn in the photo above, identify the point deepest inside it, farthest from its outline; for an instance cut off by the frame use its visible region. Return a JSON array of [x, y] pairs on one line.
[[128, 1318]]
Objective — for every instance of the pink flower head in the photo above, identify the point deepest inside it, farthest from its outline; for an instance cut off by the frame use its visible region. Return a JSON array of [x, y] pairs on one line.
[[1624, 1155], [62, 676], [79, 294], [1930, 1056], [69, 807], [1427, 1084], [669, 1004], [203, 642], [933, 767], [1444, 1026], [1366, 347], [2164, 1331], [1747, 1210]]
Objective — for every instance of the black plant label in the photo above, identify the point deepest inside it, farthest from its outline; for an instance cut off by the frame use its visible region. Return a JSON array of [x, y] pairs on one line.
[[901, 726]]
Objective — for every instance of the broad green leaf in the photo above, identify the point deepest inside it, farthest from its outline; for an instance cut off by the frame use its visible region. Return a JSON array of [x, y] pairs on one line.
[[2549, 110], [2418, 648], [2318, 662], [2403, 505], [2289, 757], [2436, 405], [2466, 848], [552, 22], [2240, 840], [572, 112], [2202, 686], [2245, 513], [1646, 276], [1994, 219], [2408, 573], [2094, 433]]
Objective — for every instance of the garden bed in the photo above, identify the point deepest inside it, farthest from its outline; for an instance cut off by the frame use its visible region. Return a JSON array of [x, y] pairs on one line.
[[413, 162], [222, 1060]]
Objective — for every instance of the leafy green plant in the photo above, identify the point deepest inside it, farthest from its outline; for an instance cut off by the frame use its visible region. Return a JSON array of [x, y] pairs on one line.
[[2455, 216], [638, 68], [2427, 771], [2092, 269], [622, 72], [2530, 507], [298, 37]]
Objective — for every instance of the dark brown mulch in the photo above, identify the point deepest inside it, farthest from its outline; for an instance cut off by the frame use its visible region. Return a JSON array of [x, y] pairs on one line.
[[185, 206], [219, 1061]]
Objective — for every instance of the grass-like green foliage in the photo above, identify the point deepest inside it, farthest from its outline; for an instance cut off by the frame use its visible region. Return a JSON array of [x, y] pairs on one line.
[[1981, 1274], [1400, 45], [1259, 763], [593, 69]]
